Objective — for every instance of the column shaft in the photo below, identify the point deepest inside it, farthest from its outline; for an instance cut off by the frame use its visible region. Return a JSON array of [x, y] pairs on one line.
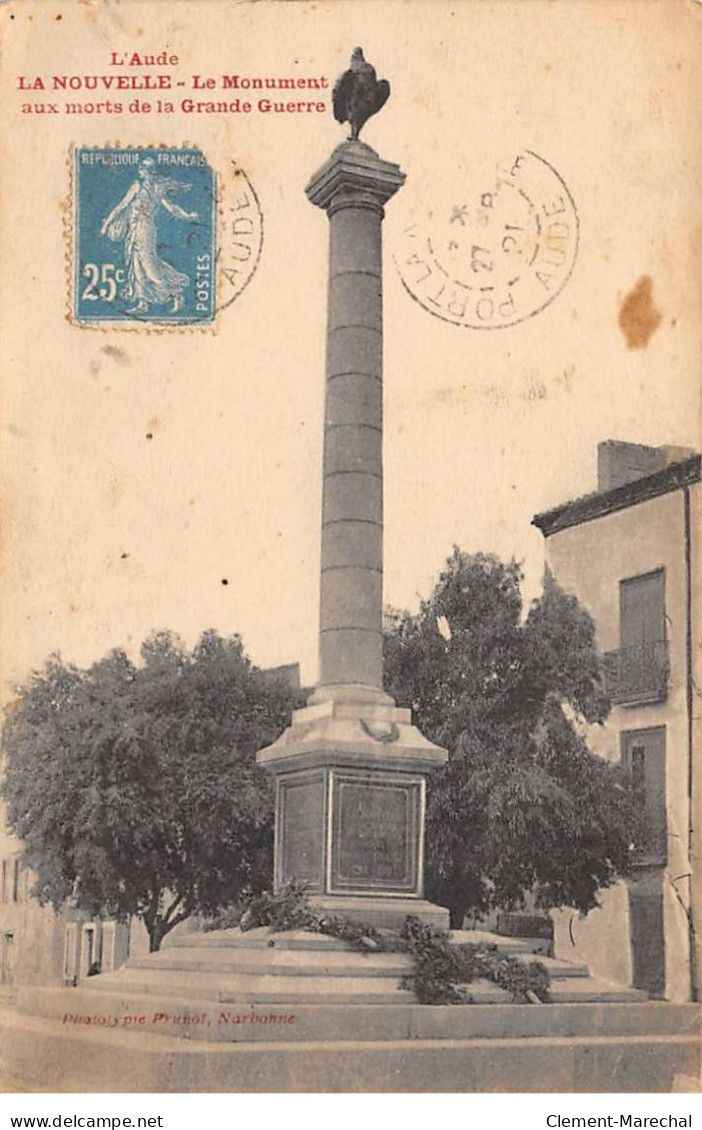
[[352, 513]]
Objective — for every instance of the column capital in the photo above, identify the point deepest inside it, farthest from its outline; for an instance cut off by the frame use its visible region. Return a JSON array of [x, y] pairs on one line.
[[354, 177]]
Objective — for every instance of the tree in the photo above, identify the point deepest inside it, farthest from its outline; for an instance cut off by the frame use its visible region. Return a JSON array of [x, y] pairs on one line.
[[522, 805], [135, 788]]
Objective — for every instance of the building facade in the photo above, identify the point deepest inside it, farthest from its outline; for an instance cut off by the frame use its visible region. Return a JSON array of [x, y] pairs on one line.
[[40, 947], [630, 553]]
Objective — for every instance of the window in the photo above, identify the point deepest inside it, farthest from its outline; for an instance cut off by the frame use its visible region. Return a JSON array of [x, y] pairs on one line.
[[643, 759], [91, 949], [642, 609], [7, 959], [638, 672], [10, 880], [70, 953], [638, 775], [88, 954]]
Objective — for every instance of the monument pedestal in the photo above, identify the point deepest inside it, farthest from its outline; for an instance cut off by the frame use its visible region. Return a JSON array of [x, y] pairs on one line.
[[350, 798]]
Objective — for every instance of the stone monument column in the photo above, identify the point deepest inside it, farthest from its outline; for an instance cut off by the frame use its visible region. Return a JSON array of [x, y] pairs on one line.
[[350, 770], [352, 188]]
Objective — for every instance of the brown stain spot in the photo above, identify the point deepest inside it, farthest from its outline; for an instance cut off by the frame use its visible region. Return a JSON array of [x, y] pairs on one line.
[[59, 17], [638, 317], [116, 353]]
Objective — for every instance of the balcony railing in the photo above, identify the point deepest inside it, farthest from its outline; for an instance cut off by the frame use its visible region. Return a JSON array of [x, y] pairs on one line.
[[639, 674]]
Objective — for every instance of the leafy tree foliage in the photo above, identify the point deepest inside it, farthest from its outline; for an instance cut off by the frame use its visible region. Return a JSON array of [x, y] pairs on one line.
[[135, 789], [522, 805]]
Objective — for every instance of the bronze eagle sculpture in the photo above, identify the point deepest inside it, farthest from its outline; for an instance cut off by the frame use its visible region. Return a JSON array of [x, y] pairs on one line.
[[358, 94]]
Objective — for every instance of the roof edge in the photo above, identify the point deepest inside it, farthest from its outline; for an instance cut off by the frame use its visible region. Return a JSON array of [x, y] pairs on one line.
[[596, 505]]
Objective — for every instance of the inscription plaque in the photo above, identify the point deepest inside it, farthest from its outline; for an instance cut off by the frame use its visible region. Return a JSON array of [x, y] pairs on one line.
[[376, 833], [301, 851]]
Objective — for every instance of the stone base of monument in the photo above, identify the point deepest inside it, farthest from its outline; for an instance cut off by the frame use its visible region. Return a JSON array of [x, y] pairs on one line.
[[382, 913], [227, 1011], [350, 798]]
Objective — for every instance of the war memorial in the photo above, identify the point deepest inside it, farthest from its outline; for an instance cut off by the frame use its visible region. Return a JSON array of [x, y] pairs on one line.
[[301, 1011]]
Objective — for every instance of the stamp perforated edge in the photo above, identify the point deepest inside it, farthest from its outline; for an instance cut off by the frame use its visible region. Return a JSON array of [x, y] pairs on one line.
[[142, 326]]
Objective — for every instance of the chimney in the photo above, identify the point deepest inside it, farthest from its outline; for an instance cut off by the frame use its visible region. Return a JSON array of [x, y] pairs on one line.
[[619, 463]]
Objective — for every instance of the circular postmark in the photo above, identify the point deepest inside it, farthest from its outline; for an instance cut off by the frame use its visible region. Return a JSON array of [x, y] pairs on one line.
[[493, 255], [240, 235]]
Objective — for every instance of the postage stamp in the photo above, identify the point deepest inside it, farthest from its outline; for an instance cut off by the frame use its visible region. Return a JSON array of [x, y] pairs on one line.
[[159, 239], [489, 255]]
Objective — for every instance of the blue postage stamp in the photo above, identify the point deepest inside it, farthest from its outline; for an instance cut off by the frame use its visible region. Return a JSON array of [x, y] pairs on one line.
[[145, 236]]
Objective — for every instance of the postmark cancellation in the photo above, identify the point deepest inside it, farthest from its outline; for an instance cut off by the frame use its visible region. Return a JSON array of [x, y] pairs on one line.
[[490, 254]]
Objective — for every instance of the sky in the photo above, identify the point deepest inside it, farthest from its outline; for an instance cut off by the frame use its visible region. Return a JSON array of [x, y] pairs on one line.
[[109, 534]]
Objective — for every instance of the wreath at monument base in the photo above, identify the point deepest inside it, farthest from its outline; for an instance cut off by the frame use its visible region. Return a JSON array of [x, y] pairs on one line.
[[442, 971]]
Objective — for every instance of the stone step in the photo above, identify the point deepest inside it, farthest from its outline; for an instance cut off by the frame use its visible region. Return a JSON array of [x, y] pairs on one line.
[[53, 1056], [264, 937], [309, 963], [190, 1017], [260, 938], [311, 960], [258, 988], [288, 975], [589, 989], [487, 937], [278, 962], [557, 968], [263, 967]]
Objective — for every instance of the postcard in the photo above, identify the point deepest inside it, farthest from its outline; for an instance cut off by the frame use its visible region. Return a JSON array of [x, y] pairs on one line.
[[399, 302]]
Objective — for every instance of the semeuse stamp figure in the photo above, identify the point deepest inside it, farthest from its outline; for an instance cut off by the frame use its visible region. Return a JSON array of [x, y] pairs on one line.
[[140, 256], [151, 280]]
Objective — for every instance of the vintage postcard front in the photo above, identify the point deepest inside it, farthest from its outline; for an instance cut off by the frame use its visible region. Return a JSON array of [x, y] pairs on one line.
[[296, 299]]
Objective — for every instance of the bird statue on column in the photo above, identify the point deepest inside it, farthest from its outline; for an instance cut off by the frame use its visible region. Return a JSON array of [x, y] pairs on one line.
[[359, 94]]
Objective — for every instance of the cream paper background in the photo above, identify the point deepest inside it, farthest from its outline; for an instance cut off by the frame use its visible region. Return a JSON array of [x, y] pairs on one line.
[[482, 429]]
